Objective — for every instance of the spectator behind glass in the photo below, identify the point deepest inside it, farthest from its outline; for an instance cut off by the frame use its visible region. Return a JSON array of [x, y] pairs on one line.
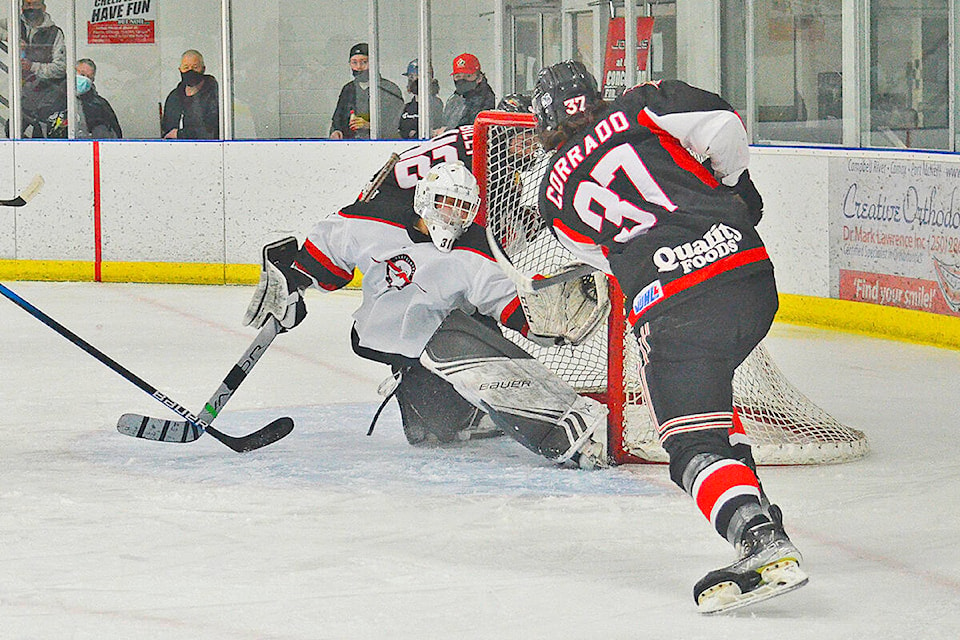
[[192, 110], [95, 117], [409, 119], [351, 118], [472, 94], [43, 73]]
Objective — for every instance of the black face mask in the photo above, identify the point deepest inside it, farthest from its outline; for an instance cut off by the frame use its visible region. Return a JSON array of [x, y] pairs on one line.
[[361, 76], [191, 78], [412, 85], [466, 86], [32, 15]]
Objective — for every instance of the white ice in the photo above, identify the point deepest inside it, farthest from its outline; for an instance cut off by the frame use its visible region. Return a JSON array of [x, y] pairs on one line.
[[333, 534]]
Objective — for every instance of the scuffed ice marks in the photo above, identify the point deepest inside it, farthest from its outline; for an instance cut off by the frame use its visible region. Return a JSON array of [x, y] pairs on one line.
[[329, 449]]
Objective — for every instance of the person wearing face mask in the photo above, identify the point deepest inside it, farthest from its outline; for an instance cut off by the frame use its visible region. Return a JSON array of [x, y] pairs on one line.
[[410, 118], [351, 117], [192, 110], [95, 117], [43, 72], [471, 96]]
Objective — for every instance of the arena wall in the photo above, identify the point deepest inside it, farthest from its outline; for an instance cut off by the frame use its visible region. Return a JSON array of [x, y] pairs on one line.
[[198, 212]]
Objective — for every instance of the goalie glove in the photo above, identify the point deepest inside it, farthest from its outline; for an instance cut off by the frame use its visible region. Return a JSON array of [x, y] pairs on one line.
[[568, 312], [544, 341], [280, 291]]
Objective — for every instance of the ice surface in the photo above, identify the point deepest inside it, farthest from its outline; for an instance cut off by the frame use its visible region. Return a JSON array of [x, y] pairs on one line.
[[333, 534]]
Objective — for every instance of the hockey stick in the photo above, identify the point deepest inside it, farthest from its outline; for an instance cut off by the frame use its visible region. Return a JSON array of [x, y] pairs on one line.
[[370, 190], [140, 426], [268, 434], [26, 195], [532, 284]]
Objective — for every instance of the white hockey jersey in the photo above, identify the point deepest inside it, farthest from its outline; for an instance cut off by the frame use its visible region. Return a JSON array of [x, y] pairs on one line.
[[409, 286]]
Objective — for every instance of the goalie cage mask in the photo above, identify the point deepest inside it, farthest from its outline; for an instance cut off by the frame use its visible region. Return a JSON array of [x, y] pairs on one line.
[[447, 199]]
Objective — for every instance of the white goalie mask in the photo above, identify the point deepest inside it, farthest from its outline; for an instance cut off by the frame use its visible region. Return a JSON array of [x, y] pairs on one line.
[[447, 199]]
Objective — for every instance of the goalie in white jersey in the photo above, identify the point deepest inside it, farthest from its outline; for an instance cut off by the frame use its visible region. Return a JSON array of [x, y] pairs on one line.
[[432, 296]]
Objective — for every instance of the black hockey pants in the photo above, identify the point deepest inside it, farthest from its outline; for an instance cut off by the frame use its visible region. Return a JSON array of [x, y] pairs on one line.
[[430, 408], [689, 355]]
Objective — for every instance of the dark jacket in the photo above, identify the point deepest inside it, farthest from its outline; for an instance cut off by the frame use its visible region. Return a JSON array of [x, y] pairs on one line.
[[410, 118], [196, 117], [355, 99], [99, 117], [462, 110]]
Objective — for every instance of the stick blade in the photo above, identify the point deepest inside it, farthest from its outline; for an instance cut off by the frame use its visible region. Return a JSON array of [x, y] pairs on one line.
[[32, 189], [279, 428], [138, 426]]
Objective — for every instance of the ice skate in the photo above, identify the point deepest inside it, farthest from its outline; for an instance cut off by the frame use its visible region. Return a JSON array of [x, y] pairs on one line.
[[769, 566]]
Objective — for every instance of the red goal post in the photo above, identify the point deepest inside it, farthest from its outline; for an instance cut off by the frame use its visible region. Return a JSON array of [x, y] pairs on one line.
[[783, 424]]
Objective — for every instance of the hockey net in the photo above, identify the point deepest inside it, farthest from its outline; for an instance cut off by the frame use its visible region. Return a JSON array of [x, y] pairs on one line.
[[784, 426]]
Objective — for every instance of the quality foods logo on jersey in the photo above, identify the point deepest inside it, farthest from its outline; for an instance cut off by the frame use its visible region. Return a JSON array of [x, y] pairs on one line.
[[718, 242]]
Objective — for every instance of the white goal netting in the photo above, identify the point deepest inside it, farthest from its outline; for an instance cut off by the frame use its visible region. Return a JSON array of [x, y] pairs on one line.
[[784, 426]]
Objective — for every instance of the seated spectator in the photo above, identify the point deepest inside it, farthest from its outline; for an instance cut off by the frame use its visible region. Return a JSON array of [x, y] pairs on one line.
[[192, 110], [472, 94], [95, 117], [351, 118], [410, 118]]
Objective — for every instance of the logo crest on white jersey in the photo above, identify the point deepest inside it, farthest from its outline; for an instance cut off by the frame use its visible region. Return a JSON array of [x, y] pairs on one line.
[[400, 270]]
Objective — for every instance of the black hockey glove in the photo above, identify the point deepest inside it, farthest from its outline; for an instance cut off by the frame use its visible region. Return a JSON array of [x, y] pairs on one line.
[[749, 194]]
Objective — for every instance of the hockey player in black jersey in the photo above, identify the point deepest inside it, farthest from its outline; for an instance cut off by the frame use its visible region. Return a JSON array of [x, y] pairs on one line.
[[626, 193], [432, 299]]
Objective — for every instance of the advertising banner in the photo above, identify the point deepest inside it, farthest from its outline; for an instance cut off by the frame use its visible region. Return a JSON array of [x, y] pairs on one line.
[[121, 21], [614, 67], [895, 231]]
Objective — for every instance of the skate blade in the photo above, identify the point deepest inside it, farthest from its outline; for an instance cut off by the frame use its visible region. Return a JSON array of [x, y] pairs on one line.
[[776, 578]]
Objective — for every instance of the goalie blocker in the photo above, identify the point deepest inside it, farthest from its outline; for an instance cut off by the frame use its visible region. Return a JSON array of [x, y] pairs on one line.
[[522, 397]]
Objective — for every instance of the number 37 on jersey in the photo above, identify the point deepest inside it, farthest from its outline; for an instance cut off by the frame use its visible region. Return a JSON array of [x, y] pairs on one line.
[[595, 200]]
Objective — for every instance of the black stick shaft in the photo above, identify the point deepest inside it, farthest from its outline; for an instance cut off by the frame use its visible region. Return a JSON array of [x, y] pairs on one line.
[[139, 382]]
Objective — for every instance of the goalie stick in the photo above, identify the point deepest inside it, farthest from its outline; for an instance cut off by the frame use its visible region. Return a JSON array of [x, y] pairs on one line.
[[370, 190], [532, 284], [140, 426], [260, 438], [26, 195]]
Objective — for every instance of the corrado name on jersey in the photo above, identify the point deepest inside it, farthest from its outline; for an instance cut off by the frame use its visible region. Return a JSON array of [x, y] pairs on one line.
[[718, 242], [614, 123]]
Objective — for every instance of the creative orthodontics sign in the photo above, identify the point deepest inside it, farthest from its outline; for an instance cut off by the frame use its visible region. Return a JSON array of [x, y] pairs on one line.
[[895, 232], [121, 21]]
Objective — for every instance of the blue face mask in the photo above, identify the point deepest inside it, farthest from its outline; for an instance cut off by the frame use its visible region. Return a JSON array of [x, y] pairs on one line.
[[83, 85]]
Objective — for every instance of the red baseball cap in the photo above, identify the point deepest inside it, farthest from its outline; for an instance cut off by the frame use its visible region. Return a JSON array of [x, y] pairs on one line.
[[466, 63]]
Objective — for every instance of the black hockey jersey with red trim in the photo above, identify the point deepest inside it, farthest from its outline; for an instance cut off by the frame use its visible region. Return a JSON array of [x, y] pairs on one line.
[[629, 196], [398, 187]]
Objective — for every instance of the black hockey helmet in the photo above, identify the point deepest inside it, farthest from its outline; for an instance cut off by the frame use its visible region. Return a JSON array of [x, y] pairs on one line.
[[562, 90], [515, 103]]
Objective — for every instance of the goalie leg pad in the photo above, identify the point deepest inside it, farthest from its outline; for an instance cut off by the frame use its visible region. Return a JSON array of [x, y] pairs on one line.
[[433, 412], [524, 398]]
